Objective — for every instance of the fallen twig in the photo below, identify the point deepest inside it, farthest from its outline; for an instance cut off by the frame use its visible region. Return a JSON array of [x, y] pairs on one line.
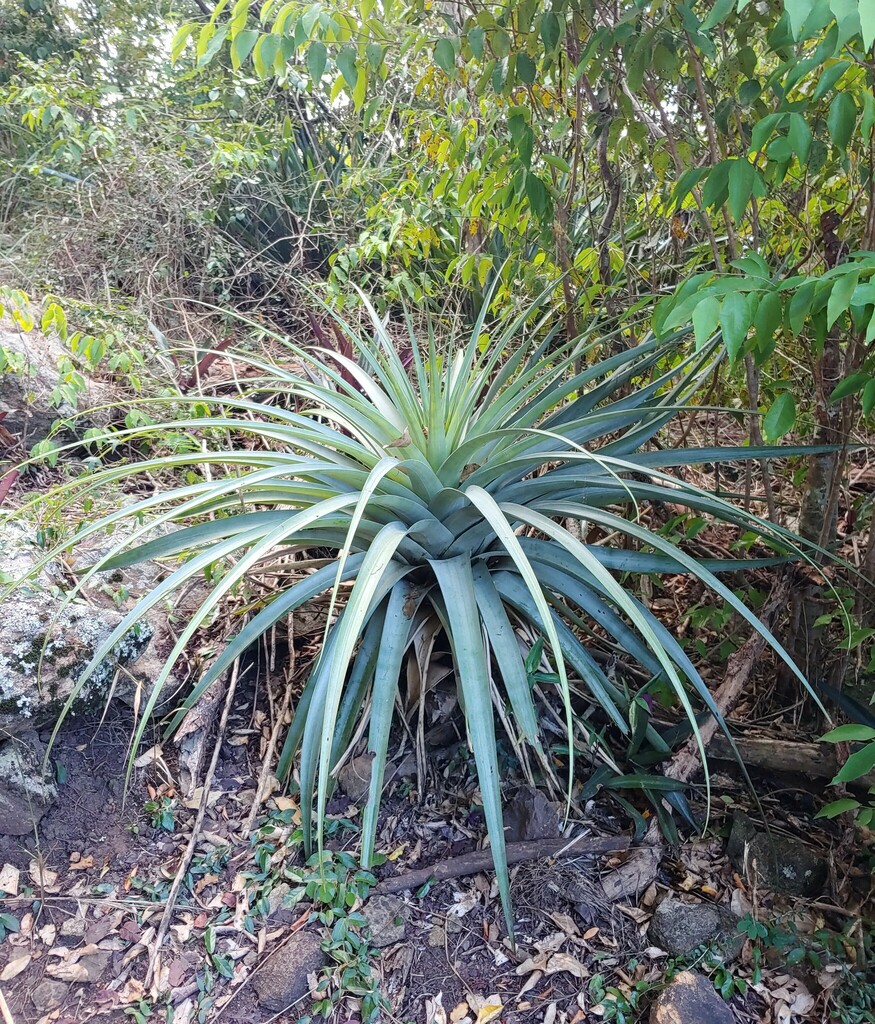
[[517, 853], [5, 1012]]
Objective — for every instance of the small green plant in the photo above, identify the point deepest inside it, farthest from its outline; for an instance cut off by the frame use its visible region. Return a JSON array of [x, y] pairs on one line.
[[162, 813], [8, 923], [861, 762], [852, 997], [615, 1004]]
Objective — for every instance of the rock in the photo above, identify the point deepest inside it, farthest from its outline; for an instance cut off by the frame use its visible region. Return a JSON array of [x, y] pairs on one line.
[[387, 918], [28, 397], [45, 644], [95, 963], [282, 980], [781, 863], [690, 999], [73, 926], [529, 815], [354, 777], [679, 928], [277, 896], [49, 995], [26, 791]]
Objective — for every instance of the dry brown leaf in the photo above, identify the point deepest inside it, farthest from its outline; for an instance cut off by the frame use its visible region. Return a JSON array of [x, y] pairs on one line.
[[590, 933], [458, 1012], [150, 756], [560, 963], [83, 864], [550, 1014], [132, 991], [530, 982], [565, 922], [14, 968], [9, 875], [47, 934], [537, 963], [551, 943], [43, 876], [434, 1010], [67, 972]]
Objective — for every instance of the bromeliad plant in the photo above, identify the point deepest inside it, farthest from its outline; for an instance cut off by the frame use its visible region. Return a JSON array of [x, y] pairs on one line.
[[454, 494]]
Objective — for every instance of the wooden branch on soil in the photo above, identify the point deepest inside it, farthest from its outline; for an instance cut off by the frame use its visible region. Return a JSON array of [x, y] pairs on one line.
[[517, 853], [686, 761], [814, 759]]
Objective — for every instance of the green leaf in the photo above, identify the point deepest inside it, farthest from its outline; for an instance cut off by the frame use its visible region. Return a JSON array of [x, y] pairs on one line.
[[241, 46], [837, 807], [445, 56], [857, 765], [780, 418], [718, 14], [799, 136], [550, 30], [767, 321], [456, 582], [798, 11], [536, 193], [706, 317], [717, 185], [374, 52], [867, 402], [867, 23], [840, 296], [346, 65], [317, 57], [476, 40], [800, 306], [841, 119], [850, 385], [849, 734], [742, 175], [525, 68], [734, 321], [264, 53], [180, 39]]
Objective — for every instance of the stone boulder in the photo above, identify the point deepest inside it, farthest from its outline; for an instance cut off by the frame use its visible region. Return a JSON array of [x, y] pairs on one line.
[[47, 640], [690, 999], [284, 979], [26, 790], [779, 862], [679, 928]]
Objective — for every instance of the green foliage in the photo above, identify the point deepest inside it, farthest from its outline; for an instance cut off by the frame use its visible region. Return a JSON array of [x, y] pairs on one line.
[[442, 493], [859, 763]]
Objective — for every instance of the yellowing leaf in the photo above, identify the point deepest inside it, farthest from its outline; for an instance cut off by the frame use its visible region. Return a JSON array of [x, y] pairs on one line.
[[489, 1010]]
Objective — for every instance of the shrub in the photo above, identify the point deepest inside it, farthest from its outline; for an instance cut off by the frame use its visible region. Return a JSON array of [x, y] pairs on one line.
[[454, 495]]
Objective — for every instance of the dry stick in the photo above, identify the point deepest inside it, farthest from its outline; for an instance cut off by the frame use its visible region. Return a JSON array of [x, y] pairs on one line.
[[267, 767], [4, 1011], [195, 832], [481, 860]]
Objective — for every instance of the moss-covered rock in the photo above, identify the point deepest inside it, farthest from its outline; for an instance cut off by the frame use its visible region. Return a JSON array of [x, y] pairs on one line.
[[47, 640]]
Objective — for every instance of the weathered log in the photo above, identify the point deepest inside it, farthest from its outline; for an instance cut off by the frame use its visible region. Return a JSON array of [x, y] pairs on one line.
[[779, 755]]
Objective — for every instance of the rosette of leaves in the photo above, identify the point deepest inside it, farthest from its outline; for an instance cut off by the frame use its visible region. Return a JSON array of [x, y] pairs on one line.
[[452, 485]]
